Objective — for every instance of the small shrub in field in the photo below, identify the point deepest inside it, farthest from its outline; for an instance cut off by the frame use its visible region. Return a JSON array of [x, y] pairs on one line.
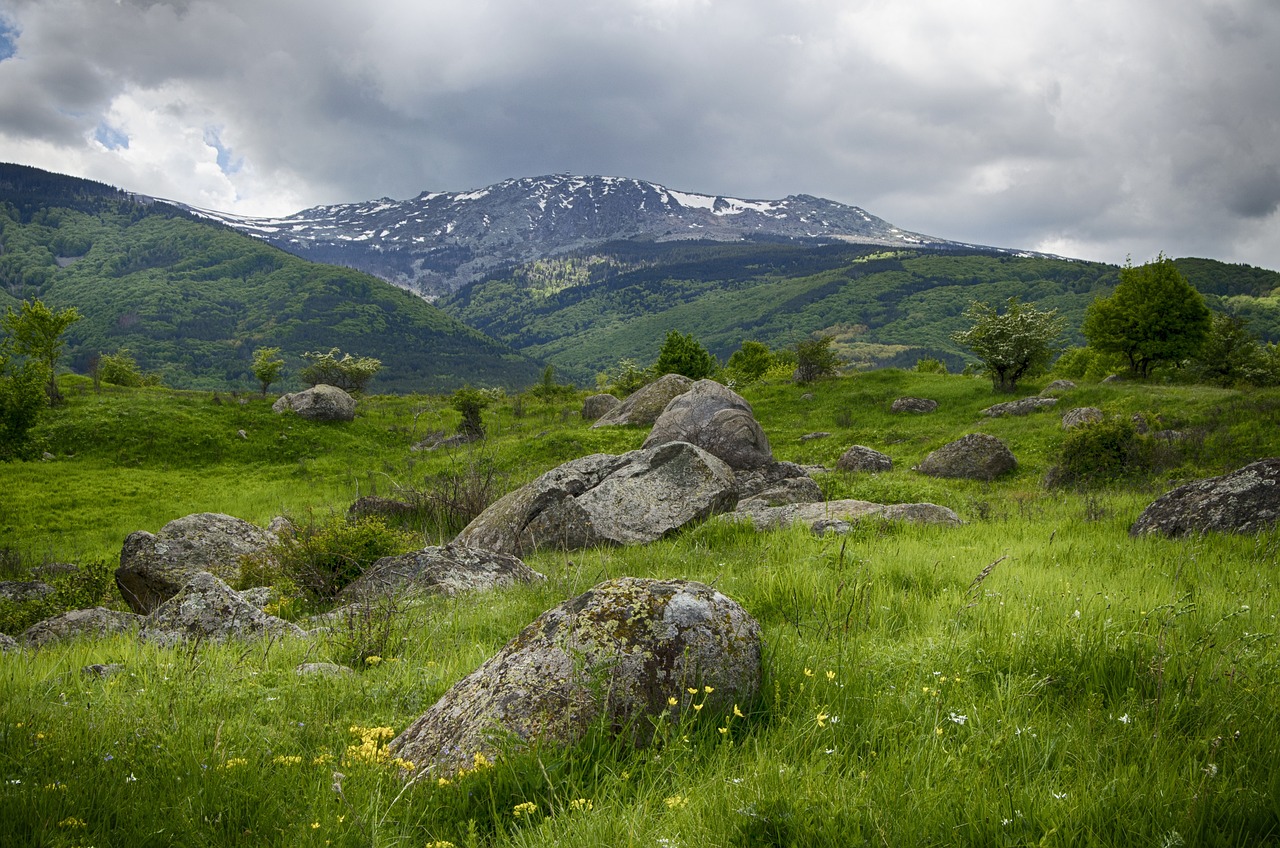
[[815, 359], [81, 589], [121, 369], [349, 373], [930, 366], [322, 559], [1100, 452], [470, 403], [625, 379], [447, 501]]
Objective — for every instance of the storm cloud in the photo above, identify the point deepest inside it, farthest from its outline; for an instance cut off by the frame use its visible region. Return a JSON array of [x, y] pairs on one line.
[[1090, 130]]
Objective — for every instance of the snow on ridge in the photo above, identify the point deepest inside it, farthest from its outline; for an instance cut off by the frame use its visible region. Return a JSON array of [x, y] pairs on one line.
[[471, 195], [692, 201]]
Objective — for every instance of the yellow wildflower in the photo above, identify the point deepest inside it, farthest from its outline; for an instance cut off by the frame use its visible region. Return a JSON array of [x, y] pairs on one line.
[[234, 762], [440, 843], [581, 805], [480, 761], [822, 719], [697, 707], [442, 782], [737, 712], [321, 759], [284, 760], [691, 691], [527, 808], [708, 690], [671, 702], [831, 675], [938, 730], [315, 825], [372, 660], [72, 821], [808, 672], [675, 802], [724, 729]]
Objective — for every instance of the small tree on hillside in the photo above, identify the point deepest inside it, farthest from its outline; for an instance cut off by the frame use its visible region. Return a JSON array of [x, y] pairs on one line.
[[35, 331], [267, 366], [22, 398], [683, 354], [1153, 317], [349, 373], [1013, 344], [470, 403], [815, 359], [750, 362]]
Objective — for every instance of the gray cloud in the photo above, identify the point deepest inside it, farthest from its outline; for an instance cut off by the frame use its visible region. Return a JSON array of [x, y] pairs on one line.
[[1096, 131]]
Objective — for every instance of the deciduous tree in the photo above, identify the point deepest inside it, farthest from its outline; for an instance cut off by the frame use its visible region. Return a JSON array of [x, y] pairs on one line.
[[1013, 344], [683, 354], [35, 331]]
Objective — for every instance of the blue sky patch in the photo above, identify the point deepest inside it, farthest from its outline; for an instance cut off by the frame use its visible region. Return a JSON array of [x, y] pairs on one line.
[[110, 137], [8, 39], [227, 164]]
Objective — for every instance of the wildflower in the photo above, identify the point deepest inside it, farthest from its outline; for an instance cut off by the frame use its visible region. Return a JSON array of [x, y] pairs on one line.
[[737, 712], [707, 690], [938, 731], [440, 843], [1061, 796], [321, 759], [691, 691], [671, 702], [675, 802], [234, 762], [808, 672], [723, 730], [831, 675], [442, 782], [372, 660], [315, 825], [1210, 770], [527, 808], [822, 719], [581, 805], [958, 718], [72, 821], [284, 760], [697, 707], [480, 761], [835, 719], [131, 778], [1124, 719]]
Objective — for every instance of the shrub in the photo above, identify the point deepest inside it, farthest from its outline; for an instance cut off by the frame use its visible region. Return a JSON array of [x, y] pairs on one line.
[[321, 559], [930, 365], [1085, 363], [815, 359], [683, 354], [626, 378], [349, 373], [448, 500], [1013, 344], [1101, 452], [267, 366], [80, 589], [749, 363], [470, 403], [121, 369], [22, 399]]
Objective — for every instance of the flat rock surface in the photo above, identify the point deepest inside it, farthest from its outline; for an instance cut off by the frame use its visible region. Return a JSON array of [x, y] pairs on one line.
[[812, 514], [446, 570], [644, 405], [208, 609], [1024, 406], [95, 622]]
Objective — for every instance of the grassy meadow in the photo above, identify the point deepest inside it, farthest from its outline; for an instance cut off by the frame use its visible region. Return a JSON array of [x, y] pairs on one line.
[[1034, 677]]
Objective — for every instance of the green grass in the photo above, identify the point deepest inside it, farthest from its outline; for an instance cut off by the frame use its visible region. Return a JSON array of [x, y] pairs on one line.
[[1091, 689]]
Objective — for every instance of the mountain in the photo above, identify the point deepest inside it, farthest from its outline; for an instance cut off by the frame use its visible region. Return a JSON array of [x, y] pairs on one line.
[[192, 299], [440, 241]]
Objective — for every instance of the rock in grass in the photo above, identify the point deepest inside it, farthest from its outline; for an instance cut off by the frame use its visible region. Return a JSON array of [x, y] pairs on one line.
[[1023, 406], [75, 624], [1081, 416], [318, 403], [21, 591], [206, 609], [976, 456], [919, 406], [1245, 501], [614, 655], [1058, 386], [716, 419], [645, 404], [154, 567], [860, 458], [445, 570], [793, 490], [602, 499], [323, 669], [828, 515], [8, 644], [595, 407]]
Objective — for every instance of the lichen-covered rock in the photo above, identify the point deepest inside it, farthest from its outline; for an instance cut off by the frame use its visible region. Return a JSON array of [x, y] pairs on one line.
[[976, 456], [754, 481], [1023, 406], [601, 499], [318, 403], [323, 669], [1080, 416], [614, 654], [595, 407], [102, 669], [1245, 501], [1057, 387], [716, 419], [154, 567], [793, 490], [388, 509], [861, 458], [8, 644], [206, 609], [919, 406], [645, 404], [446, 570], [21, 591], [828, 515], [75, 624]]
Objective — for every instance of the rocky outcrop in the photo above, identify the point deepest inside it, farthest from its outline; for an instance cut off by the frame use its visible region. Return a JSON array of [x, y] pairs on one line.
[[1058, 387], [318, 403], [839, 516], [716, 419], [154, 567], [1245, 501], [22, 591], [389, 510], [207, 609], [919, 406], [8, 644], [1081, 416], [976, 456], [595, 407], [620, 654], [860, 458], [1023, 406], [645, 404], [95, 622], [792, 490], [755, 481], [602, 499], [445, 570]]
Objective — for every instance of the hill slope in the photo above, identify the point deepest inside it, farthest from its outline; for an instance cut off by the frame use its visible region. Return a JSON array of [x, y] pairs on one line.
[[192, 299]]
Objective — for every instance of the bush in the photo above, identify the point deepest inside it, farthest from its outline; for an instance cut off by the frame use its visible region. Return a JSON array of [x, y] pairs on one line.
[[80, 589], [683, 354], [749, 363], [815, 359], [470, 403], [322, 559], [22, 399], [121, 369], [1100, 452], [1085, 363], [626, 378], [349, 373], [930, 365]]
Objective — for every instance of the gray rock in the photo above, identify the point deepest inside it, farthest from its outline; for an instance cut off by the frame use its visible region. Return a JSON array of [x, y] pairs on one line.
[[976, 456], [754, 481], [259, 596], [615, 654], [445, 570], [793, 490], [601, 499], [102, 669], [21, 591], [860, 458], [323, 669], [206, 609], [822, 516], [920, 406], [716, 419], [1080, 416], [1140, 424], [1057, 387], [1023, 406], [810, 437], [96, 622], [372, 506], [318, 403], [154, 567], [595, 407], [8, 644], [1245, 501], [645, 404]]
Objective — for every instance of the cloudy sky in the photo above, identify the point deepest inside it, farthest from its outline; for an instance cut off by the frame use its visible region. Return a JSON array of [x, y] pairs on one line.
[[1091, 129]]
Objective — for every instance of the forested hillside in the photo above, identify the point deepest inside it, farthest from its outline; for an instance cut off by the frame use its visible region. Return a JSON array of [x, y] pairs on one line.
[[191, 300]]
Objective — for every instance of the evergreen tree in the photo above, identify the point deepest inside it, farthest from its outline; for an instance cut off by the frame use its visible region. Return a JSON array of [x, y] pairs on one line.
[[683, 354]]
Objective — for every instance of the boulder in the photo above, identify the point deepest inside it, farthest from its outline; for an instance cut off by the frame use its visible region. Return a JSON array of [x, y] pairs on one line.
[[372, 506], [206, 609], [1057, 387], [645, 404], [976, 456], [444, 570], [154, 567], [1245, 501], [1080, 416], [859, 458], [602, 499], [595, 407], [811, 437], [1022, 406], [716, 419], [318, 403], [8, 644], [613, 655], [21, 591], [920, 406], [839, 515], [323, 669], [793, 490], [98, 621], [754, 481]]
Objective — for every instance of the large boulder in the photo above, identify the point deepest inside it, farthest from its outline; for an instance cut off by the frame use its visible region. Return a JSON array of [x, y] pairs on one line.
[[318, 403], [1057, 387], [22, 591], [1081, 416], [839, 515], [1023, 406], [1245, 501], [919, 406], [75, 624], [755, 481], [793, 490], [619, 654], [445, 570], [594, 407], [716, 419], [206, 609], [602, 499], [154, 567], [861, 458], [976, 456], [645, 404]]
